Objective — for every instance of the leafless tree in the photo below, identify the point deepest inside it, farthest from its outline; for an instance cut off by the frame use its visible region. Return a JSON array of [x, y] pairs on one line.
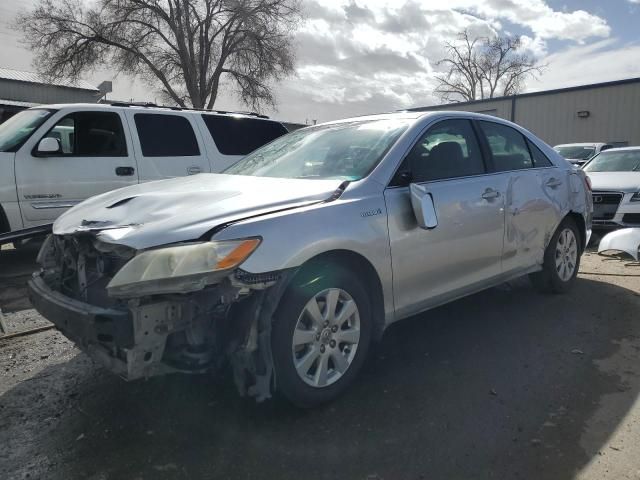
[[484, 67], [189, 48]]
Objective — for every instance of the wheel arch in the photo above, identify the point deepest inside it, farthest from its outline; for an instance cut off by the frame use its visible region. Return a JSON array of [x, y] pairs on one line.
[[363, 268], [5, 227], [582, 228]]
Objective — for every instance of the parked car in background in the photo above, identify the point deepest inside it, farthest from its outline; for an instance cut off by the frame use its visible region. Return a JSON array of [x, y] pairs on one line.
[[615, 180], [580, 153], [294, 260], [53, 157]]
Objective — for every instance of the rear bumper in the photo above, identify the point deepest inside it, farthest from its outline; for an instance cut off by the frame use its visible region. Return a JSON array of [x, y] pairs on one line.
[[107, 335]]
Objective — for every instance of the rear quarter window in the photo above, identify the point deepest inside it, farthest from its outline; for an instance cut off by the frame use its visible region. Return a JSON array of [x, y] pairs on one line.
[[241, 136], [539, 159]]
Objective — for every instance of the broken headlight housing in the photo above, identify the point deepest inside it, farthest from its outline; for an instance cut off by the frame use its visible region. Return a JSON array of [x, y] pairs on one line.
[[180, 269]]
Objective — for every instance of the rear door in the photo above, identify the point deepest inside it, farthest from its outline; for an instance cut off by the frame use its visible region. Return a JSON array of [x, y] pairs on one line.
[[166, 145], [536, 192], [463, 251], [94, 157]]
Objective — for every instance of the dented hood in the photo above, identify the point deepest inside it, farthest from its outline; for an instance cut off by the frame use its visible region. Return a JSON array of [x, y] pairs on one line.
[[185, 208]]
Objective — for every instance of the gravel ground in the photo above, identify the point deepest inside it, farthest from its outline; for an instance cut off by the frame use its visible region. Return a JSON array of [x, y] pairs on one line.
[[504, 384]]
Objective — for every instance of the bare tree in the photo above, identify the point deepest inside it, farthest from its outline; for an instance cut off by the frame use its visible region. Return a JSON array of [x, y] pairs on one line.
[[189, 48], [483, 67]]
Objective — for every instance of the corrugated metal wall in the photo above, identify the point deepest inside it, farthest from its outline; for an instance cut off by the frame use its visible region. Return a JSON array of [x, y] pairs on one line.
[[614, 113], [38, 93], [498, 108]]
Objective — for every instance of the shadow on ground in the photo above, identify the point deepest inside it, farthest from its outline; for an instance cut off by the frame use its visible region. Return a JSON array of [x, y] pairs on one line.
[[16, 266], [485, 387]]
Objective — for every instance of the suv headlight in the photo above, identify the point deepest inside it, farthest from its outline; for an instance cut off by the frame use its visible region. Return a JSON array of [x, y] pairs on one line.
[[179, 269], [635, 197]]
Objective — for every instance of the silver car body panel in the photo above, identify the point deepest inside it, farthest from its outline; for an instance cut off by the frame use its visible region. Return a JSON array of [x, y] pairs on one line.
[[477, 243], [625, 240]]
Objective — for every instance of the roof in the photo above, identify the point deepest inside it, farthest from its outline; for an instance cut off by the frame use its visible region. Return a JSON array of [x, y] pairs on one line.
[[533, 94], [16, 103], [581, 144], [151, 108], [617, 149], [31, 77]]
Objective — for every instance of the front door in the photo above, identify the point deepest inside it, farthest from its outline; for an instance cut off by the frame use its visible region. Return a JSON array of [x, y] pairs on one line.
[[93, 158], [464, 249]]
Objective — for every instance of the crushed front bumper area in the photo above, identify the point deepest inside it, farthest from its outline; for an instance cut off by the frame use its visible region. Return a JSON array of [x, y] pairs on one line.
[[193, 333], [128, 343]]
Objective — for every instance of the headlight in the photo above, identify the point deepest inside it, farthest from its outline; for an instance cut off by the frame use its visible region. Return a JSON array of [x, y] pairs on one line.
[[635, 197], [180, 269]]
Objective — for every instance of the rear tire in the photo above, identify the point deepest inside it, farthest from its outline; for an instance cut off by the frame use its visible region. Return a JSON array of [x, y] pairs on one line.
[[321, 335], [561, 260]]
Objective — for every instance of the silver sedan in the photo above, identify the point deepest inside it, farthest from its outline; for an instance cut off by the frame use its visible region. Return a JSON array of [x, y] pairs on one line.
[[292, 262]]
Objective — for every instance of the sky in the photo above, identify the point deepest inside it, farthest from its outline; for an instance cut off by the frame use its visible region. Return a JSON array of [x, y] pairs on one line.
[[368, 56]]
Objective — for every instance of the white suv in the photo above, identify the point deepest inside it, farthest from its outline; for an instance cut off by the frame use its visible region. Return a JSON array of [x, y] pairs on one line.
[[53, 157]]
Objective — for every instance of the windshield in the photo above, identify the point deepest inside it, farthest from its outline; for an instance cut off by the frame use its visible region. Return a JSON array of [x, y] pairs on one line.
[[579, 153], [15, 131], [612, 161], [347, 151]]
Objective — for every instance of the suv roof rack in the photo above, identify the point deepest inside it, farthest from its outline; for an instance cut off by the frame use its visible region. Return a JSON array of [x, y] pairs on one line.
[[153, 105]]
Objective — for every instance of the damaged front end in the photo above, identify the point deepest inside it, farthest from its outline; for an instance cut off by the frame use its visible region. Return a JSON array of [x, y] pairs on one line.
[[182, 308]]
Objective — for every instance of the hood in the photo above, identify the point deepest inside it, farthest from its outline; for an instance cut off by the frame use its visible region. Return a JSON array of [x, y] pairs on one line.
[[185, 208], [615, 181]]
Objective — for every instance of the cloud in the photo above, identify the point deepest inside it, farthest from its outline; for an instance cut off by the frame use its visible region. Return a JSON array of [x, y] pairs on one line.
[[541, 19], [575, 66], [356, 57], [361, 57]]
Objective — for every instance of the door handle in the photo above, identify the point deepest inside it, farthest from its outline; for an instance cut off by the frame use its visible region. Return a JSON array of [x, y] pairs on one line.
[[553, 183], [490, 193], [125, 171], [193, 170]]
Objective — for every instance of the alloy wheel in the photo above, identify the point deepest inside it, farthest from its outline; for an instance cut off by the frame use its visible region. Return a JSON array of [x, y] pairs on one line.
[[566, 254], [326, 337]]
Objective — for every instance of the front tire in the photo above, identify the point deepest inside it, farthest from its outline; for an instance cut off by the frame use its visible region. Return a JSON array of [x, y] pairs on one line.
[[321, 335], [561, 260]]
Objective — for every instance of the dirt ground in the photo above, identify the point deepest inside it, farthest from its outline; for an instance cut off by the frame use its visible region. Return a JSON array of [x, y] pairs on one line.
[[505, 384]]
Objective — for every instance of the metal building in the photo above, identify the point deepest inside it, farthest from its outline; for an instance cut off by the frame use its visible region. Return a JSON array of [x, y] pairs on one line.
[[20, 90], [601, 112]]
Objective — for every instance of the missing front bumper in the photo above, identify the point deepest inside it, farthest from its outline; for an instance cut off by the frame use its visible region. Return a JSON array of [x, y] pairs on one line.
[[129, 342]]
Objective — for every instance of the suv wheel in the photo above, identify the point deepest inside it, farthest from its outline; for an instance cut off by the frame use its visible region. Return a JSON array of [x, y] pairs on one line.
[[320, 337], [561, 260]]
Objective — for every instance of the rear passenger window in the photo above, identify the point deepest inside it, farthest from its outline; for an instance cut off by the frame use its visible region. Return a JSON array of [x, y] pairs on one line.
[[165, 135], [539, 158], [508, 148], [241, 136], [448, 150], [90, 134]]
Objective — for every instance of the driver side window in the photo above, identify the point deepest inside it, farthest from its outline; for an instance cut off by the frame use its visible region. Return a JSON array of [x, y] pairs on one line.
[[449, 149], [90, 134]]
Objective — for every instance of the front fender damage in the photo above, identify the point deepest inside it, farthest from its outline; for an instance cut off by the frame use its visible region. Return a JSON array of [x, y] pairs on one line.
[[251, 358]]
